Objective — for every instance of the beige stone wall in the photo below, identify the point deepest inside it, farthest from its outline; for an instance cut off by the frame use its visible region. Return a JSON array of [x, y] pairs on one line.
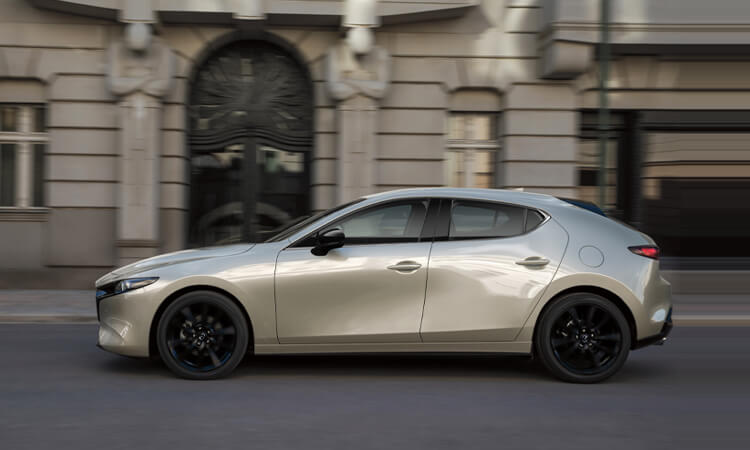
[[495, 48], [492, 48], [65, 53]]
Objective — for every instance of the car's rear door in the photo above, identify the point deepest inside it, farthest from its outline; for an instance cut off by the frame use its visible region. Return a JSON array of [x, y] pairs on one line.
[[371, 290], [489, 265]]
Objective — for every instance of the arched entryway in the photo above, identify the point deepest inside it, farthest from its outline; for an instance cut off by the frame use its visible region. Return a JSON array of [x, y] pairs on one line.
[[250, 141]]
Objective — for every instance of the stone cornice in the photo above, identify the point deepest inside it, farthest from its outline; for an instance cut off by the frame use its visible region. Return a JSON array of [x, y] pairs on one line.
[[588, 32], [278, 12]]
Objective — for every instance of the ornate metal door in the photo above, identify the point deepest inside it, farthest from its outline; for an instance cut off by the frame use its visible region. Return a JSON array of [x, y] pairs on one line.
[[250, 142]]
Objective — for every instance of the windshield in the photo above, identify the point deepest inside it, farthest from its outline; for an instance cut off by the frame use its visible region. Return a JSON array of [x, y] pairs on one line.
[[289, 229]]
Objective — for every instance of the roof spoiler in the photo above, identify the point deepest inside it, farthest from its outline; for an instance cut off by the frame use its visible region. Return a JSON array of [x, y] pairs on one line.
[[585, 205]]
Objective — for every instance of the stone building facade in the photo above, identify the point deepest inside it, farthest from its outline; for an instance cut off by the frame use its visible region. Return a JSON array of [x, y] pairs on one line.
[[130, 128]]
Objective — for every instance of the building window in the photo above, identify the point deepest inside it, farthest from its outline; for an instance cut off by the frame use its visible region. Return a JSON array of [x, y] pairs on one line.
[[472, 149], [23, 140]]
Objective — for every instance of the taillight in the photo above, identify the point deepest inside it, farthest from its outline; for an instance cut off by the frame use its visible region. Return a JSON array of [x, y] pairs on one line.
[[649, 251]]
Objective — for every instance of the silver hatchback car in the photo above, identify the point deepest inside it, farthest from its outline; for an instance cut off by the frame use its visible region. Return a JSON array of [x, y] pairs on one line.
[[419, 270]]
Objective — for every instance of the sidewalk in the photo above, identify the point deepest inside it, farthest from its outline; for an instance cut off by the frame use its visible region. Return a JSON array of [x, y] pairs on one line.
[[78, 306], [39, 306]]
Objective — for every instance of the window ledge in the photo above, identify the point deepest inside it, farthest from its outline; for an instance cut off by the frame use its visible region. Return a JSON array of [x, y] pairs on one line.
[[17, 214]]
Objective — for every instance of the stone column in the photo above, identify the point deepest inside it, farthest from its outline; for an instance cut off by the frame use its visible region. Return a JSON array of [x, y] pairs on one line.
[[358, 77], [141, 71], [24, 163], [356, 142]]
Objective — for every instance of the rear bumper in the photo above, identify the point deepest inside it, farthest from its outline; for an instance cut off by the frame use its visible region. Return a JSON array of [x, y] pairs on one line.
[[659, 338]]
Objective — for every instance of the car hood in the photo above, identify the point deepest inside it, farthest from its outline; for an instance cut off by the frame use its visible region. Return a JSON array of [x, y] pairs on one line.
[[169, 259]]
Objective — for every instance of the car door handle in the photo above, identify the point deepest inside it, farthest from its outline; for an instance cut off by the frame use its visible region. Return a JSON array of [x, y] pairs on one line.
[[533, 261], [405, 266]]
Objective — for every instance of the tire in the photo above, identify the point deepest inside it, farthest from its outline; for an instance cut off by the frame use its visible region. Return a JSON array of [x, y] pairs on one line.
[[583, 338], [202, 335]]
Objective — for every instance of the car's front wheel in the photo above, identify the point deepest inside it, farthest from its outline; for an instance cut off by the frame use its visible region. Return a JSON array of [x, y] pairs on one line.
[[583, 338], [202, 335]]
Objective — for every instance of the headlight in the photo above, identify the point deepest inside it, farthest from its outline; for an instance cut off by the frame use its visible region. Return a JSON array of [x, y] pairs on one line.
[[133, 283]]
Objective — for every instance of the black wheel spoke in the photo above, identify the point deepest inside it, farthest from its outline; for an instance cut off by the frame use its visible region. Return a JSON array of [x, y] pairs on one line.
[[214, 358], [597, 358], [590, 315], [226, 331], [607, 351], [188, 314], [609, 337], [574, 314], [602, 322], [569, 351], [217, 315], [561, 341], [183, 350]]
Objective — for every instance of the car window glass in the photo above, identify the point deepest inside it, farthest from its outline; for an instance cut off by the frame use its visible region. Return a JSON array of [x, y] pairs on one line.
[[533, 219], [291, 228], [485, 220], [401, 220]]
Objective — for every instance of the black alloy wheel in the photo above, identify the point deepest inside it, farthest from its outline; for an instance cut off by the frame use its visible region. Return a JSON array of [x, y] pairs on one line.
[[583, 338], [202, 335]]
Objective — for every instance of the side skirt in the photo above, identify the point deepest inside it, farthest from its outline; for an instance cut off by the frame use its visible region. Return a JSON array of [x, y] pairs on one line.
[[417, 347]]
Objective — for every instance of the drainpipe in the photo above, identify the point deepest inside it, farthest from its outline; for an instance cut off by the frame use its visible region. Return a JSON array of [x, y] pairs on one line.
[[603, 101]]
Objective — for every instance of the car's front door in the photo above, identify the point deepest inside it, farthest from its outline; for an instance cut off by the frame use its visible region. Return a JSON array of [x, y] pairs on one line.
[[489, 265], [370, 290]]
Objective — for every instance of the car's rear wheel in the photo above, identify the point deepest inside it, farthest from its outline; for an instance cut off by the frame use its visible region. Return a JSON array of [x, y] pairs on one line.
[[583, 338], [202, 335]]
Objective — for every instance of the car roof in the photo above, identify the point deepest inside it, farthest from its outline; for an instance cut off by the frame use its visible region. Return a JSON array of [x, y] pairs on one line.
[[501, 195]]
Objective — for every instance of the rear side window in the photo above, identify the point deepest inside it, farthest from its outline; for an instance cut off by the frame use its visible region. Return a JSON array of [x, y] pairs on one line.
[[475, 220]]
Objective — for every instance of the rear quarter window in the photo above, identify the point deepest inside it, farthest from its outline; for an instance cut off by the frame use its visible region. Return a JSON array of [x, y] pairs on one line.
[[533, 219]]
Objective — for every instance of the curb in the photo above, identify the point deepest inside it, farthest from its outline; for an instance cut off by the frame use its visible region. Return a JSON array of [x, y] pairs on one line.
[[711, 320], [47, 318]]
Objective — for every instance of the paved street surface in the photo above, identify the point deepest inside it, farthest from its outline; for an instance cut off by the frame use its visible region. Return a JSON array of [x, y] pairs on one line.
[[58, 391]]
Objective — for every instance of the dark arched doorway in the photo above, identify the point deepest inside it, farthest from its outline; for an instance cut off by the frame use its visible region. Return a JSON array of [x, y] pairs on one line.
[[250, 139]]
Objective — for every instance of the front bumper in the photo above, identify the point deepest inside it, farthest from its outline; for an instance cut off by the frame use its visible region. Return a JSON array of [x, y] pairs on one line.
[[659, 338], [125, 322]]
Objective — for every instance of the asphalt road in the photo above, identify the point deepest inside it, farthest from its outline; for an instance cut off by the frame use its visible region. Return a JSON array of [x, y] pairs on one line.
[[57, 391]]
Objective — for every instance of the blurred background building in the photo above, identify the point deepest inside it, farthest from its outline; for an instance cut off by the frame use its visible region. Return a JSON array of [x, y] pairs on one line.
[[134, 127]]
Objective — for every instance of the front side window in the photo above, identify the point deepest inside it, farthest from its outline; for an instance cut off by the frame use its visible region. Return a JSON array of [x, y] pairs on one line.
[[393, 222], [472, 148], [476, 220], [23, 140], [290, 229]]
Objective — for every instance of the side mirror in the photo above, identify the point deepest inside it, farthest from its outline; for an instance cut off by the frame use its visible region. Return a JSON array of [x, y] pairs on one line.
[[327, 241]]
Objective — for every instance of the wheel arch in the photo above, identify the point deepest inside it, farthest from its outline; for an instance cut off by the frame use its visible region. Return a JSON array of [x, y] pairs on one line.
[[597, 290], [152, 346]]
